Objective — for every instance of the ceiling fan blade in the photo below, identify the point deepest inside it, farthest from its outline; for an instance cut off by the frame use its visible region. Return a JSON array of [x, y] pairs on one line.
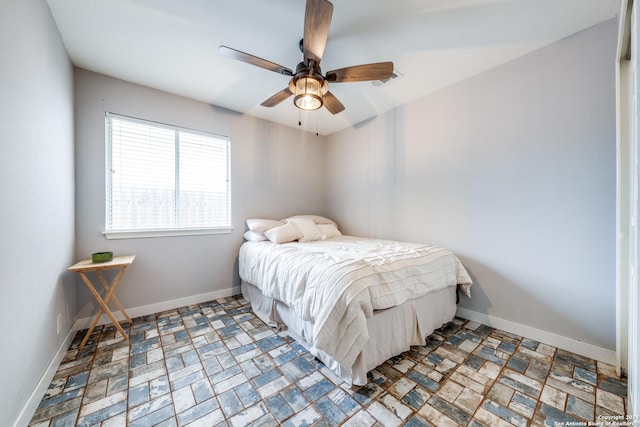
[[361, 73], [277, 98], [254, 60], [317, 21], [332, 103]]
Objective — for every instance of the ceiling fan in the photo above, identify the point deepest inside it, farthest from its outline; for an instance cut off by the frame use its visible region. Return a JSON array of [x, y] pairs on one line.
[[309, 87]]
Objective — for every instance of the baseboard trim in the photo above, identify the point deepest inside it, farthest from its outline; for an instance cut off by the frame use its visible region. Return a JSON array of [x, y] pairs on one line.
[[144, 310], [584, 349], [83, 323], [43, 384], [569, 344]]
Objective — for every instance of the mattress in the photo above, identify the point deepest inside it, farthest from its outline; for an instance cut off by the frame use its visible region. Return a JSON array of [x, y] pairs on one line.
[[335, 285]]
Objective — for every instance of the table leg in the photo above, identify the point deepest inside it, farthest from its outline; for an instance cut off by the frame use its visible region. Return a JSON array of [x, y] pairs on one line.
[[91, 328], [103, 307], [111, 292]]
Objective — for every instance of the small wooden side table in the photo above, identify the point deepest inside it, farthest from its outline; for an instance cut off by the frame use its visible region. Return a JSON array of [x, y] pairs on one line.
[[85, 266]]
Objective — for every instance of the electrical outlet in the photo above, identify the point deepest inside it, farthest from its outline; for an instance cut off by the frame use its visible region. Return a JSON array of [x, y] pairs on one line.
[[59, 323]]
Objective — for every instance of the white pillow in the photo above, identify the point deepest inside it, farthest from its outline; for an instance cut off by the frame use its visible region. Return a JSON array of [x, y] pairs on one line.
[[284, 233], [262, 225], [328, 231], [316, 218], [310, 230], [254, 236]]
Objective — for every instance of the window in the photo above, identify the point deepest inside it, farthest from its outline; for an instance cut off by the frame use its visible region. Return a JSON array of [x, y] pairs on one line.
[[165, 180]]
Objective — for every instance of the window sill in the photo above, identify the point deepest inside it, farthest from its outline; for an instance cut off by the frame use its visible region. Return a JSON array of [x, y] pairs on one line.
[[143, 234]]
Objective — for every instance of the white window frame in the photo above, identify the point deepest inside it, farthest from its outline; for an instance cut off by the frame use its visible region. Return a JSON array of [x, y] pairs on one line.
[[159, 232]]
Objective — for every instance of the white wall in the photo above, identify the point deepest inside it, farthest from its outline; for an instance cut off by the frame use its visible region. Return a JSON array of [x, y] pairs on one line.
[[276, 171], [514, 170], [36, 199], [629, 129]]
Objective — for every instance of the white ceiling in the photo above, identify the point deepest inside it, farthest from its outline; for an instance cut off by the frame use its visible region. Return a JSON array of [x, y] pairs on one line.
[[172, 45]]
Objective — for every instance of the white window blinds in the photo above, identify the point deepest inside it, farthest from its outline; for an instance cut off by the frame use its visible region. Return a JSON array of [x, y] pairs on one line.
[[161, 177]]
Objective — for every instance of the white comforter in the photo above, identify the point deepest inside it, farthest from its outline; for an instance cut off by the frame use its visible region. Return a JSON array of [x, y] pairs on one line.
[[337, 283]]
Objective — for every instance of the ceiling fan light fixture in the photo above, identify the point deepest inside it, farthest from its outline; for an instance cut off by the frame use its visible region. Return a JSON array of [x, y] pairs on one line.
[[308, 92], [308, 86]]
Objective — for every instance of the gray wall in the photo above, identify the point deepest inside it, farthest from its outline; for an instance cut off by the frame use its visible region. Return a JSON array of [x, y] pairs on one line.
[[36, 198], [276, 171], [514, 170]]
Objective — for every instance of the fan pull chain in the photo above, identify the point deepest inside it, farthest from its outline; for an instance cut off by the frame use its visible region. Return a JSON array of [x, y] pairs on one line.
[[299, 118]]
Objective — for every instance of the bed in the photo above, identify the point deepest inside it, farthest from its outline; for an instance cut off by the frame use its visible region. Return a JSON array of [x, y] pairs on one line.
[[353, 302]]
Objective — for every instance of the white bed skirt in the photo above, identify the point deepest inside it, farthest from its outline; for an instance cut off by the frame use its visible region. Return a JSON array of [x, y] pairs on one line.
[[391, 331]]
